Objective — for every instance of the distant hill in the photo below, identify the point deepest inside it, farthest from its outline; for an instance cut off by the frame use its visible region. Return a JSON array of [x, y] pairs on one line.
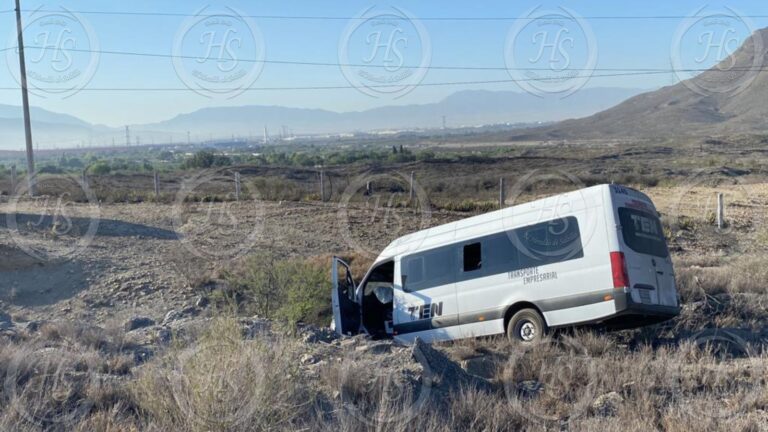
[[679, 110], [464, 108]]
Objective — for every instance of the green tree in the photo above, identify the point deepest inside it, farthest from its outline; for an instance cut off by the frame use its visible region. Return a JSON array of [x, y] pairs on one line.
[[100, 168]]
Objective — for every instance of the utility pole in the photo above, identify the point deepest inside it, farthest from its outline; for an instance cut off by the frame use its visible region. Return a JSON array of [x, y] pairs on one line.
[[127, 136], [25, 101], [266, 136]]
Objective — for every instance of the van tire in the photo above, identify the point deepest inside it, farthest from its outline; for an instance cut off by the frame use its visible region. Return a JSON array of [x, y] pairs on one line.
[[526, 326]]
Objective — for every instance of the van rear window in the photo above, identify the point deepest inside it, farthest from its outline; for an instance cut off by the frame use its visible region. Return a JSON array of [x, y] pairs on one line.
[[642, 232]]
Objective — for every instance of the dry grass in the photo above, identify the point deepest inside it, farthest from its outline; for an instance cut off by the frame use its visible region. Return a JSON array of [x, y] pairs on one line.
[[744, 274], [223, 382], [671, 377]]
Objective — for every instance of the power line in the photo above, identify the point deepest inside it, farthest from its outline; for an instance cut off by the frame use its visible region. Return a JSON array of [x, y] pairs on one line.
[[392, 16], [333, 64], [340, 87]]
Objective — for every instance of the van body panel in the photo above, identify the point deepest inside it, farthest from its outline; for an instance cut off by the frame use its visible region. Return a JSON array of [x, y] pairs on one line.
[[641, 239], [462, 279]]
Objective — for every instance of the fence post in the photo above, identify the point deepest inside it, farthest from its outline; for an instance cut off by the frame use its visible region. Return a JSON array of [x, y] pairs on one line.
[[157, 185], [410, 191], [368, 190], [85, 178], [237, 186], [502, 196], [13, 179], [322, 187], [720, 211]]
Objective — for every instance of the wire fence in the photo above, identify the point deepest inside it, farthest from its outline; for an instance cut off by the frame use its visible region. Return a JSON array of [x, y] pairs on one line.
[[388, 187]]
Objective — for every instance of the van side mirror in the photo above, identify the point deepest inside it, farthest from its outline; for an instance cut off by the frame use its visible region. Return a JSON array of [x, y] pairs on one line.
[[403, 278]]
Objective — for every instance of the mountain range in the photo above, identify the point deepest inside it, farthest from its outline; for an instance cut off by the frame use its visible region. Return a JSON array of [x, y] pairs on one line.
[[729, 98], [461, 109]]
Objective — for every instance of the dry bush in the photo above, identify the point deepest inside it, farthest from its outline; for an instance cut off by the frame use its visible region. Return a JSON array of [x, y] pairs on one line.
[[291, 290], [224, 383], [745, 274], [277, 189], [50, 388]]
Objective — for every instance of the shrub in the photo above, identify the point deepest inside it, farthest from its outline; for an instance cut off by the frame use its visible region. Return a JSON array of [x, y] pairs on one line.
[[224, 383], [293, 290], [100, 168], [207, 159]]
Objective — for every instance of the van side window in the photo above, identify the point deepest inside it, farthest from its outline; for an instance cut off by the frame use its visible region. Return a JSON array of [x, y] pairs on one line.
[[549, 242], [430, 268], [535, 245], [415, 269], [472, 257]]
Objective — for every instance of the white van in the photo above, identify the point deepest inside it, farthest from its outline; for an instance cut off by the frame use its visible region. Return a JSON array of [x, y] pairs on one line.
[[592, 256]]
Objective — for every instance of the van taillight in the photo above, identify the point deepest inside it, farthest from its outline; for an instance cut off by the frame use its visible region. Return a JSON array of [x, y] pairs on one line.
[[619, 270]]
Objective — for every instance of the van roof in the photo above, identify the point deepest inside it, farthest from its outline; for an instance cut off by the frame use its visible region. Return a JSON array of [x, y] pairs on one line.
[[485, 223]]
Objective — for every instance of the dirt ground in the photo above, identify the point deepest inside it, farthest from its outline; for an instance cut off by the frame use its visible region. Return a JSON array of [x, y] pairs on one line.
[[103, 295], [110, 261], [119, 260]]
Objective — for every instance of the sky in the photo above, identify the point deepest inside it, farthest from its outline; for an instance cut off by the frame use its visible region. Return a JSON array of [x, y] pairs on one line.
[[209, 53]]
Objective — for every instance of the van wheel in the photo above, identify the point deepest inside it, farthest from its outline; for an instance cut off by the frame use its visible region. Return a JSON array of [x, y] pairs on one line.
[[526, 326]]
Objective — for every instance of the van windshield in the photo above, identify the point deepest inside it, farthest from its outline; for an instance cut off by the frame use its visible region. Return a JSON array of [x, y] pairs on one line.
[[642, 232]]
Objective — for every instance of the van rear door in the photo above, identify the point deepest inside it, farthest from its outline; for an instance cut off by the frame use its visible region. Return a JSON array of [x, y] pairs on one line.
[[346, 307], [649, 265]]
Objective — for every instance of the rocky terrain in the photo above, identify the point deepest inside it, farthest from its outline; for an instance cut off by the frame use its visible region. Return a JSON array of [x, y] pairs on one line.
[[107, 322]]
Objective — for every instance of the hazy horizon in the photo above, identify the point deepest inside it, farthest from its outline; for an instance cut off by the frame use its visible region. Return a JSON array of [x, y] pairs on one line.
[[147, 63]]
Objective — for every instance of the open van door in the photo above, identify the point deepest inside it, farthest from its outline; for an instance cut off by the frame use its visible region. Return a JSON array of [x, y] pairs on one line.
[[346, 307]]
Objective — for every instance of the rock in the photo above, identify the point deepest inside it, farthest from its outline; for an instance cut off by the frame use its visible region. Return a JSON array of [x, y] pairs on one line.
[[312, 334], [375, 348], [308, 359], [607, 404], [31, 326], [138, 322], [171, 316], [448, 375], [255, 327], [190, 311], [483, 367], [142, 354], [164, 335], [202, 302]]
